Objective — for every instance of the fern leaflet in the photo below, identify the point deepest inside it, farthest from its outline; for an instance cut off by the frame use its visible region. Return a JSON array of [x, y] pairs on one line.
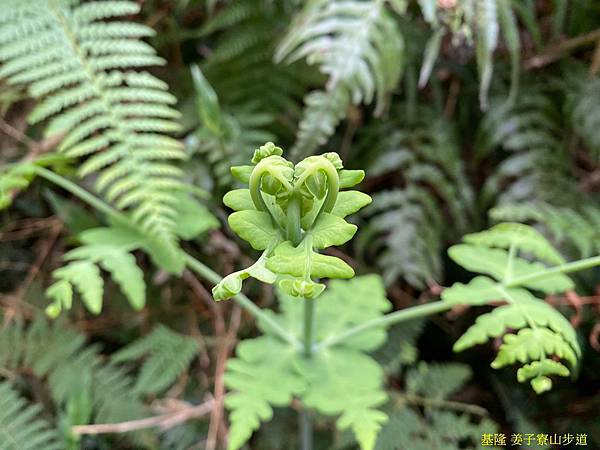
[[542, 332]]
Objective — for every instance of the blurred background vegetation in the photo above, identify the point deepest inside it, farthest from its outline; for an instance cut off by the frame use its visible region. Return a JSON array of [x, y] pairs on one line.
[[462, 113]]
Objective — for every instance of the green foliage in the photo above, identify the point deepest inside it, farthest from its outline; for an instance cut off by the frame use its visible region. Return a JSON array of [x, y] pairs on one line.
[[574, 228], [441, 423], [478, 22], [290, 212], [82, 69], [541, 331], [167, 354], [267, 372], [20, 425], [358, 46], [405, 229], [536, 165], [582, 108], [110, 249], [18, 176], [82, 386]]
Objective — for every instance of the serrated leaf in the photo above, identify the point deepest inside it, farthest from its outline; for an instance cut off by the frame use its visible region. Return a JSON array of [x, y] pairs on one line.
[[85, 276], [254, 227], [495, 262], [533, 344], [538, 372], [126, 273], [262, 375], [334, 373], [479, 291], [522, 237]]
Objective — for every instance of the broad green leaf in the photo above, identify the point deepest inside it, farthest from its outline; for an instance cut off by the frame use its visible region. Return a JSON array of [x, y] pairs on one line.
[[331, 230], [193, 218], [350, 178], [254, 227], [290, 260], [349, 202], [239, 200], [242, 173]]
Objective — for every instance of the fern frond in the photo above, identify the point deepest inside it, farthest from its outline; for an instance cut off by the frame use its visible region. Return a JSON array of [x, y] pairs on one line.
[[583, 111], [358, 45], [541, 331], [74, 371], [82, 71], [421, 418], [168, 354], [20, 425], [405, 228], [574, 227], [536, 165]]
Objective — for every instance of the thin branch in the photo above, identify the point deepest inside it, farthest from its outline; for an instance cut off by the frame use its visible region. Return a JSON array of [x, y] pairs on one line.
[[163, 421], [557, 51], [224, 351]]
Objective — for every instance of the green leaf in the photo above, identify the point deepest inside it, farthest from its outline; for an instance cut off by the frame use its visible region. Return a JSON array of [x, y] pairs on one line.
[[479, 291], [254, 227], [538, 372], [242, 173], [435, 380], [521, 314], [432, 50], [262, 376], [349, 202], [239, 200], [522, 237], [331, 375], [126, 273], [193, 218], [495, 262], [331, 230], [85, 276], [533, 344], [350, 178], [166, 355], [290, 260]]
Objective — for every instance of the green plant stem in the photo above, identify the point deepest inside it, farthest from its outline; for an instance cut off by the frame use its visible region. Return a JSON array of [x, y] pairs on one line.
[[306, 428], [574, 266], [309, 319], [83, 194], [414, 312], [208, 274], [198, 267]]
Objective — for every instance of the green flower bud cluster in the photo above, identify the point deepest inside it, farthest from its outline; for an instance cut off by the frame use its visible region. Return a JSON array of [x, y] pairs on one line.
[[291, 212]]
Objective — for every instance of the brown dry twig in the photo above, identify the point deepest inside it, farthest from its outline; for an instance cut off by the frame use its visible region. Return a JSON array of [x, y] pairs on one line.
[[557, 51], [165, 421]]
